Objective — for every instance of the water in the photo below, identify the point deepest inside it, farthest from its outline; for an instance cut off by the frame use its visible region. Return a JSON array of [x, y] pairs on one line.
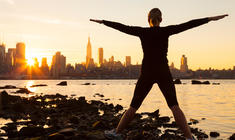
[[216, 103]]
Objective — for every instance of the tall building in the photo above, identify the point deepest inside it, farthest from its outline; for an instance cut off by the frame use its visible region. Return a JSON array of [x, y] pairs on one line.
[[44, 66], [89, 59], [128, 61], [20, 55], [172, 66], [12, 53], [183, 64], [58, 66], [101, 56], [111, 59], [2, 57], [2, 53]]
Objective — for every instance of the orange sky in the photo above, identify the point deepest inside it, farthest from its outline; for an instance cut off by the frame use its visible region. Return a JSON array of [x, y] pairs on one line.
[[50, 26]]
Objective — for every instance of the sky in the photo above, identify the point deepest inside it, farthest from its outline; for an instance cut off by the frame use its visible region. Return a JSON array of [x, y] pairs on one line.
[[47, 26]]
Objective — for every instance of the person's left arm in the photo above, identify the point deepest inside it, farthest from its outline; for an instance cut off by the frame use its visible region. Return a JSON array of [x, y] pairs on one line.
[[174, 29]]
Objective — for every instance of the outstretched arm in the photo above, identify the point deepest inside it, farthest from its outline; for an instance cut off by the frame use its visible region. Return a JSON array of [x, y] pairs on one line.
[[174, 29], [132, 30]]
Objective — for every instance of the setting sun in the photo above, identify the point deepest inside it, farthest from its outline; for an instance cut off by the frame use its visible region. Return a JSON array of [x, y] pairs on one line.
[[30, 61]]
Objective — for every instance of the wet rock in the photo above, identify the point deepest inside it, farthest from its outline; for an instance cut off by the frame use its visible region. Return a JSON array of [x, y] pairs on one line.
[[134, 135], [206, 82], [164, 119], [67, 132], [194, 121], [215, 83], [96, 135], [98, 94], [232, 137], [177, 81], [201, 135], [8, 87], [214, 134], [63, 83], [31, 131], [118, 108], [23, 90], [196, 82], [4, 99], [39, 85], [74, 120], [199, 82], [86, 84], [56, 136]]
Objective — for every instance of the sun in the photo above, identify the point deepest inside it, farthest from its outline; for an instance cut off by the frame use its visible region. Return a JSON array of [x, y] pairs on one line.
[[30, 62]]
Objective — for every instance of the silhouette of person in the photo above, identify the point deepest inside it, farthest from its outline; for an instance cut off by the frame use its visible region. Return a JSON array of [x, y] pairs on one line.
[[155, 69]]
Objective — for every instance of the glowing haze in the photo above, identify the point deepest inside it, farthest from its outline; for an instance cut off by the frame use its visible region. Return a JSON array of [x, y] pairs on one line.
[[47, 26]]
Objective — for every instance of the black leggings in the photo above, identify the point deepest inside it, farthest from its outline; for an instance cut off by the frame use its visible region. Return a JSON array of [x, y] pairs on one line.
[[165, 82]]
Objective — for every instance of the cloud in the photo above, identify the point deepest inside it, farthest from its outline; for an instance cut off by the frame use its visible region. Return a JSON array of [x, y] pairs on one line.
[[11, 2], [46, 20]]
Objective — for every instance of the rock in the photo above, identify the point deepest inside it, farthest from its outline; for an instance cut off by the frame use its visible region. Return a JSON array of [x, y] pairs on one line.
[[177, 81], [39, 85], [215, 83], [232, 137], [95, 135], [8, 87], [118, 108], [67, 132], [23, 90], [196, 82], [31, 131], [56, 136], [199, 82], [74, 120], [86, 84], [214, 134], [194, 121], [206, 82], [164, 119], [4, 99], [63, 83], [98, 94]]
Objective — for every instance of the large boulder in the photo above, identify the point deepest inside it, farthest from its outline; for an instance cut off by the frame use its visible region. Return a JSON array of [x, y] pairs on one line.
[[214, 134], [31, 131]]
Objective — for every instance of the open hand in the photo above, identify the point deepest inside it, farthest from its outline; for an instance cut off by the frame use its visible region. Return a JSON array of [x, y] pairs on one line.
[[217, 17], [96, 20]]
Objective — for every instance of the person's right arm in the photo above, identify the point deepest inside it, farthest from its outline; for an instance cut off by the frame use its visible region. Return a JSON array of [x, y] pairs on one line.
[[131, 30]]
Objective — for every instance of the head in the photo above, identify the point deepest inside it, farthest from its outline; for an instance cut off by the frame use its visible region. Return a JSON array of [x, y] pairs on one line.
[[154, 17]]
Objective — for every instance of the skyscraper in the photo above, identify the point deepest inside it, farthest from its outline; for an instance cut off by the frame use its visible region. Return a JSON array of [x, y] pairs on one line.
[[2, 53], [58, 64], [12, 53], [44, 66], [89, 60], [20, 54], [2, 57], [128, 61], [172, 66], [183, 64], [101, 56]]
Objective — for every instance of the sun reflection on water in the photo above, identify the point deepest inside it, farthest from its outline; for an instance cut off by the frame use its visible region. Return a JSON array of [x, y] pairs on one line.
[[29, 84]]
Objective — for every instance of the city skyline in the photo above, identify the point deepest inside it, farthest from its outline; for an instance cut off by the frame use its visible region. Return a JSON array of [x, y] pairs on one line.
[[48, 26]]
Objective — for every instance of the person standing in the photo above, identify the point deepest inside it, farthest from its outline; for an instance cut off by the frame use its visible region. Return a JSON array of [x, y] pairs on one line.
[[154, 69]]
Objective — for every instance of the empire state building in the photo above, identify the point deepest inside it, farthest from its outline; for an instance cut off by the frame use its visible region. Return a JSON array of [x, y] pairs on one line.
[[89, 60]]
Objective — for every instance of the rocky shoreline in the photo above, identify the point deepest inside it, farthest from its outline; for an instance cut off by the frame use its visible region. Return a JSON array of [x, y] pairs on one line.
[[59, 117]]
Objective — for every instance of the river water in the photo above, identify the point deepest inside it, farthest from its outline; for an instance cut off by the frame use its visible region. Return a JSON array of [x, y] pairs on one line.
[[216, 103]]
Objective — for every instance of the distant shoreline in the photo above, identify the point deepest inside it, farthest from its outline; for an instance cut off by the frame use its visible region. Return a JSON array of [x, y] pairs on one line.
[[116, 79]]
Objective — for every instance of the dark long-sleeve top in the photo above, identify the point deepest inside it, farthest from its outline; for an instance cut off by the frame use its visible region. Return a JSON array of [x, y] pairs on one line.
[[154, 40]]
